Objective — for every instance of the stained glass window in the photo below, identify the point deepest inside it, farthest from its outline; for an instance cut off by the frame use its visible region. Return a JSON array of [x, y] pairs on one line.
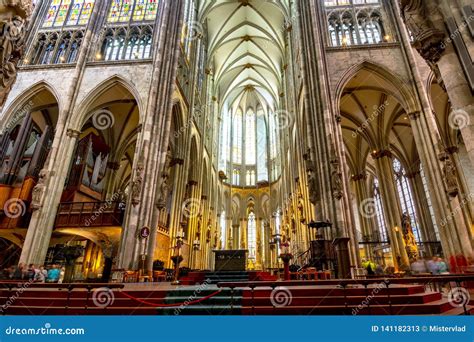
[[52, 12], [62, 13], [137, 10], [151, 9], [86, 12], [69, 12]]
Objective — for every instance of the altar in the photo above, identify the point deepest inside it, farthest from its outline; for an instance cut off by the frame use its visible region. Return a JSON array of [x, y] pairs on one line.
[[230, 260]]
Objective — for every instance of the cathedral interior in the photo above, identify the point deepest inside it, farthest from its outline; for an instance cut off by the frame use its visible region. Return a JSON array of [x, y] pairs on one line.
[[139, 135]]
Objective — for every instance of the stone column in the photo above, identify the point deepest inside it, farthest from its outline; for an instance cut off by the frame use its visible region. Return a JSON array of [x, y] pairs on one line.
[[427, 22], [366, 208], [41, 225], [391, 207], [424, 220], [58, 162], [154, 139], [326, 159]]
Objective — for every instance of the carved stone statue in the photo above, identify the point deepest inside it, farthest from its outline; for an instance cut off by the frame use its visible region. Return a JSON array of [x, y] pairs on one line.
[[427, 40], [450, 177], [39, 190], [409, 238], [164, 191], [336, 179], [137, 184], [13, 24], [312, 186]]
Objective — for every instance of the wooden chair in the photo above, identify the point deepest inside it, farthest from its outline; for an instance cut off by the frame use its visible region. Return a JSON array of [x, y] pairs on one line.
[[159, 276], [130, 277], [144, 277]]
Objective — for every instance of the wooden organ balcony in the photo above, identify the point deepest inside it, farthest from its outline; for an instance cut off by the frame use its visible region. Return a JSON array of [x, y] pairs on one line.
[[90, 214]]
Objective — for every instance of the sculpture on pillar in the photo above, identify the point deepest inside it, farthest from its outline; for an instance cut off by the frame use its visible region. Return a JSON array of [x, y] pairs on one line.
[[428, 40], [336, 179], [164, 191], [137, 183], [312, 186], [39, 191], [300, 204], [409, 238], [13, 25], [208, 231], [450, 177]]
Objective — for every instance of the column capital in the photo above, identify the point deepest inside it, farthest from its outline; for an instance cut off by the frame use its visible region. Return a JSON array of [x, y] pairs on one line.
[[451, 149], [72, 133], [359, 177], [381, 153], [412, 174], [414, 115]]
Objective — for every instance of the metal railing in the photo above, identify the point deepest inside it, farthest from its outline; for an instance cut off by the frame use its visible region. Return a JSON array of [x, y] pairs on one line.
[[431, 282], [15, 288]]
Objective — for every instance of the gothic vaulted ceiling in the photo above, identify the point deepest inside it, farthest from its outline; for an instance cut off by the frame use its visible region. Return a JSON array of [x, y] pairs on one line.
[[246, 47]]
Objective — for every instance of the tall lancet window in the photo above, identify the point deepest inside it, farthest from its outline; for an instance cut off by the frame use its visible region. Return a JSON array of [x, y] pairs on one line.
[[223, 229], [379, 214], [190, 27], [252, 236], [248, 143], [250, 140], [237, 138], [406, 197], [262, 158]]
